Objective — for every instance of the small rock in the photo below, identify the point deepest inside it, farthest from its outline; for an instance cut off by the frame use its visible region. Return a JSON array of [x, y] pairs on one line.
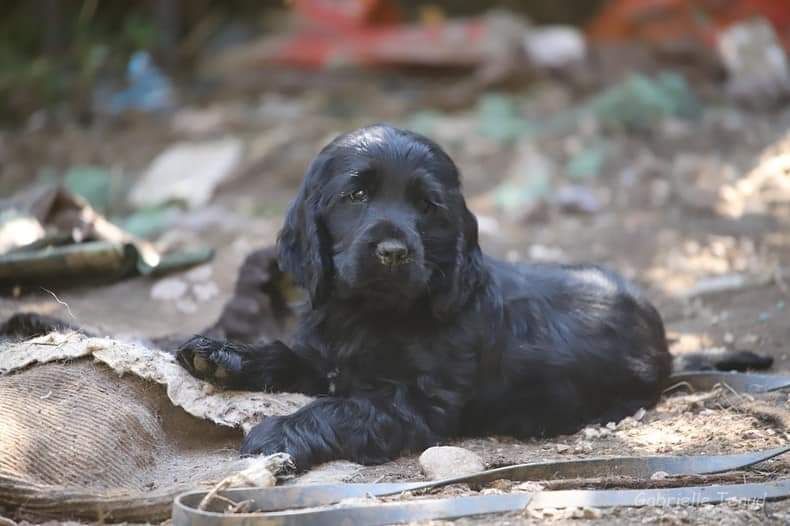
[[583, 447], [501, 484], [591, 433], [626, 422], [442, 462], [168, 289], [659, 475], [639, 415], [205, 291], [586, 513], [555, 47], [563, 448], [611, 426], [755, 61]]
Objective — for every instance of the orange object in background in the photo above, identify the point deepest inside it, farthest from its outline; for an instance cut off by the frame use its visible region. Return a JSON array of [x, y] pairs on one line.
[[667, 22]]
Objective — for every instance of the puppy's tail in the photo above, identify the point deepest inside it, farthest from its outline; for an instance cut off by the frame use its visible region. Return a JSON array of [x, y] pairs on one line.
[[720, 360]]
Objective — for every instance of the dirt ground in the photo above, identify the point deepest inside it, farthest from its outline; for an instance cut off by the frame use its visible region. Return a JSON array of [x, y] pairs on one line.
[[669, 213]]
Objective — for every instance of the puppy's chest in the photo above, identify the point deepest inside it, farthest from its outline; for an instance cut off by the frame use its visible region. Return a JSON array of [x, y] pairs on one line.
[[368, 363]]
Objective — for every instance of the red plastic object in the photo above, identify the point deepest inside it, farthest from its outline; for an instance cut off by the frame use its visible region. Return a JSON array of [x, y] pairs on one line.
[[695, 21], [342, 15], [367, 33]]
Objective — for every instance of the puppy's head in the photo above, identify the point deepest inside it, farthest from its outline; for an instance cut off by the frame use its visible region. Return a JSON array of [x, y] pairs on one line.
[[380, 218]]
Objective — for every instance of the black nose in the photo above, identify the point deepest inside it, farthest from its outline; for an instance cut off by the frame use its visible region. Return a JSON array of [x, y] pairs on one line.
[[392, 252]]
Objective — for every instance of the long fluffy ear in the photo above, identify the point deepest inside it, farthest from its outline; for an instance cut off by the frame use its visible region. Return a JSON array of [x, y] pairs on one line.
[[302, 250], [465, 275]]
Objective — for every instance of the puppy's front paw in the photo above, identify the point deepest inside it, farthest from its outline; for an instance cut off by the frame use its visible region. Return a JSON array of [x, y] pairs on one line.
[[271, 436], [210, 360]]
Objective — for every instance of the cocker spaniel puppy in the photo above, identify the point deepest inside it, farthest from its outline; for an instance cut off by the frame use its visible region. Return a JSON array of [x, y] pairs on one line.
[[414, 336]]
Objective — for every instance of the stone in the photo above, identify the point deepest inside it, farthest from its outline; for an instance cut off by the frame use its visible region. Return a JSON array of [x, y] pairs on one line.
[[591, 433], [442, 462], [563, 448], [168, 289], [205, 291]]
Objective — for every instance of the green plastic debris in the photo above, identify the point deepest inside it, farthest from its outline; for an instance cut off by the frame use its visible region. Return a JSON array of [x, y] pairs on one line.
[[424, 121], [499, 118], [639, 102], [96, 259], [527, 185], [148, 222], [92, 183], [588, 163], [175, 261]]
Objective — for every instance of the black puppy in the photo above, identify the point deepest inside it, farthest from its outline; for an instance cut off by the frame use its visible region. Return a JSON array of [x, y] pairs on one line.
[[414, 336]]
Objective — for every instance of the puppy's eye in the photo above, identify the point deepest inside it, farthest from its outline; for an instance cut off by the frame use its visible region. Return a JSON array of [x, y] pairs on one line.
[[358, 196]]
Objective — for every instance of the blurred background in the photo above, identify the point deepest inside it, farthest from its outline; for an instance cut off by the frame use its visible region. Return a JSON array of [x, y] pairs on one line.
[[147, 147]]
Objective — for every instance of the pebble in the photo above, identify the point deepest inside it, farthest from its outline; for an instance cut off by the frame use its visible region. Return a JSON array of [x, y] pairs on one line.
[[586, 513], [590, 433], [168, 289], [563, 448], [205, 291], [442, 462], [659, 475]]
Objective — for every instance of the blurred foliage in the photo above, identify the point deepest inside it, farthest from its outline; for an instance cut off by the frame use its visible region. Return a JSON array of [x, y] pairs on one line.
[[54, 51]]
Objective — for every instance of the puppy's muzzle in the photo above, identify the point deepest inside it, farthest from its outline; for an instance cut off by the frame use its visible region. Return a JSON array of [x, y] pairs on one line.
[[392, 252]]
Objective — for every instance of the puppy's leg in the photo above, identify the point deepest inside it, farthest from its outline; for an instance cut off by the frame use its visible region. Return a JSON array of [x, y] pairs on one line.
[[362, 430], [271, 366]]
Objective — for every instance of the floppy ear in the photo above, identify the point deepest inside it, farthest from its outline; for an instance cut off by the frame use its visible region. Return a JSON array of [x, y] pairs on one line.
[[465, 275], [302, 243]]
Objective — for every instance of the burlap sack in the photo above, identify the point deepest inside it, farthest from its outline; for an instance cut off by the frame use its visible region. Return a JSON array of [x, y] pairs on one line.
[[96, 429]]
